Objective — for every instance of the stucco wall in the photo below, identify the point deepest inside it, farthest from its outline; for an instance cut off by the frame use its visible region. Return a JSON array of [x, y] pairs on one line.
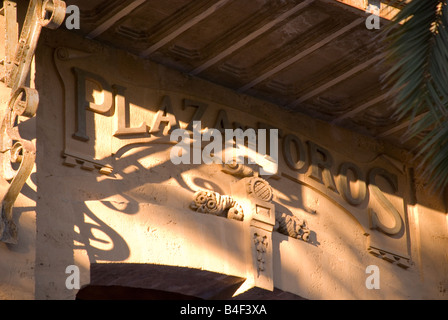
[[140, 212]]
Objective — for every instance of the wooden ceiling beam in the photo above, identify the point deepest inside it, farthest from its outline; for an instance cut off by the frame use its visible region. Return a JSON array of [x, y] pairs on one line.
[[301, 55], [212, 9], [336, 80], [250, 37], [400, 127], [362, 107], [116, 17]]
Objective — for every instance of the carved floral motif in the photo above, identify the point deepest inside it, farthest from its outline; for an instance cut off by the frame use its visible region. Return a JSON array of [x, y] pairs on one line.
[[292, 226], [261, 245], [220, 205]]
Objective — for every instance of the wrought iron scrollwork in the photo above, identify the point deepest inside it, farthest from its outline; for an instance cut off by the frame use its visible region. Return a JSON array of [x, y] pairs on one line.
[[17, 155], [14, 149]]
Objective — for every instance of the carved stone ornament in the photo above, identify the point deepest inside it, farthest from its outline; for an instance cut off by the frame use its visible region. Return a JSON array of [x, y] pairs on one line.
[[220, 205], [260, 189], [261, 244], [292, 226], [393, 258], [238, 169], [23, 101]]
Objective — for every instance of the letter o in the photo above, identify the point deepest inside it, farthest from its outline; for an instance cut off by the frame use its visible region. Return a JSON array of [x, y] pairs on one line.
[[300, 151], [343, 183]]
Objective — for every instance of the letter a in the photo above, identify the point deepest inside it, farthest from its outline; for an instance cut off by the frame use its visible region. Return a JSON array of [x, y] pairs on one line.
[[166, 116], [373, 22], [73, 20], [72, 281], [373, 281], [180, 153]]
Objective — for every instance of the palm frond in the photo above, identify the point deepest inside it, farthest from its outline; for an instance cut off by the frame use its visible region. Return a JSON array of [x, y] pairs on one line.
[[417, 49]]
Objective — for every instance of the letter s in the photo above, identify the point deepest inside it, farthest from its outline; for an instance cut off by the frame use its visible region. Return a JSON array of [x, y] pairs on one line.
[[385, 203]]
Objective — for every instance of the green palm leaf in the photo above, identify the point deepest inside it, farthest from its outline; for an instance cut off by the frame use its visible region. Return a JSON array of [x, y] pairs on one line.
[[417, 49]]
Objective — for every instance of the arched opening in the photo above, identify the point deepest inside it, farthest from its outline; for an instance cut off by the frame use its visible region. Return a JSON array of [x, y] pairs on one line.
[[133, 281]]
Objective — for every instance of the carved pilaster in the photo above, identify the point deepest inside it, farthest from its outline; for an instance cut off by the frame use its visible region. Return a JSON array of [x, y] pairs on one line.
[[23, 101], [255, 196]]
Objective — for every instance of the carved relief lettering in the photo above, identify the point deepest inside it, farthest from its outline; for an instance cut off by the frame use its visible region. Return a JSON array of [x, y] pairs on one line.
[[211, 150], [272, 133], [165, 115], [384, 202], [197, 116], [123, 116], [344, 183], [321, 163], [297, 160], [304, 161], [222, 121], [83, 103]]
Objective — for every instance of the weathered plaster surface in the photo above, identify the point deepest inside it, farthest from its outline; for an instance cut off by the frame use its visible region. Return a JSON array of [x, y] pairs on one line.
[[140, 213]]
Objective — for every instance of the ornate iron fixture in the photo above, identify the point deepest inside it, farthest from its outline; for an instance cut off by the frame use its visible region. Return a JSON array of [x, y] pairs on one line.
[[23, 101]]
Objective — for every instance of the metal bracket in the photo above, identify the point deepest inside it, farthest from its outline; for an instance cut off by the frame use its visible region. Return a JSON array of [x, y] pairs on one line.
[[23, 101]]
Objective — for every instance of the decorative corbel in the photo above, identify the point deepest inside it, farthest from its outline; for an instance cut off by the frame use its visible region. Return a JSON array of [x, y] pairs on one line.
[[292, 226], [23, 101], [216, 204]]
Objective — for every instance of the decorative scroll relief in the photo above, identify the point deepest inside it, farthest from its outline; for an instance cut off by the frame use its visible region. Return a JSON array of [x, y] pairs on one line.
[[106, 110], [23, 102], [286, 224], [292, 226], [213, 203], [253, 195]]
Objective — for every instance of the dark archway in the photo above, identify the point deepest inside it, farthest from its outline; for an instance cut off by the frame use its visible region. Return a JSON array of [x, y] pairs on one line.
[[94, 292], [124, 281], [133, 281]]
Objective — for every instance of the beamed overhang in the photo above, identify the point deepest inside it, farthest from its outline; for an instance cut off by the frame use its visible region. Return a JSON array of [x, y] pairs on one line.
[[314, 57], [310, 56]]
